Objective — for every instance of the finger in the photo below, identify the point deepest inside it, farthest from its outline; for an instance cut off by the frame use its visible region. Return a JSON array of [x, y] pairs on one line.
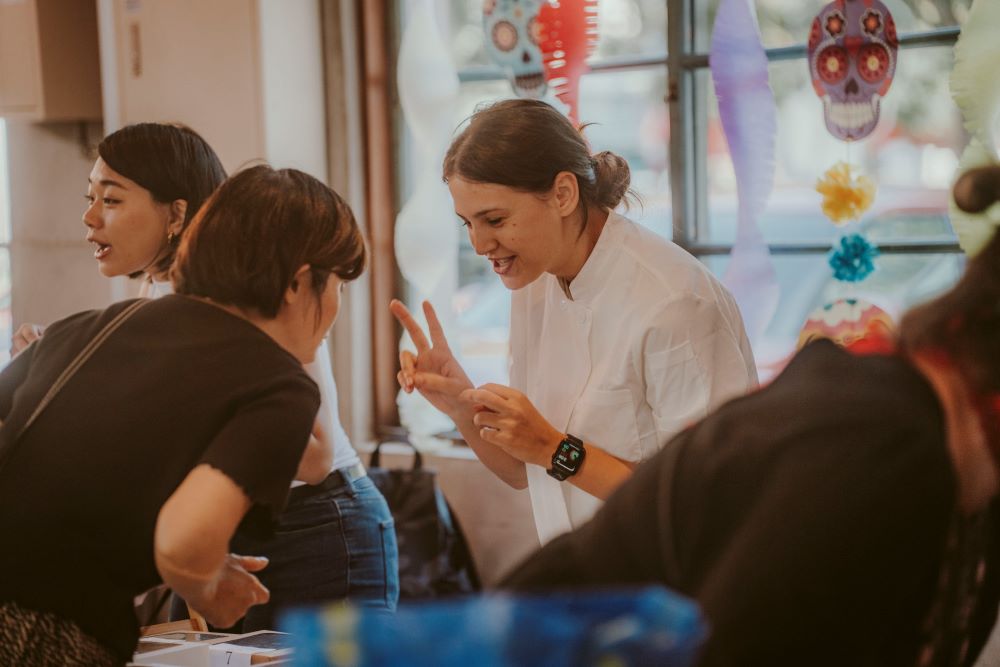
[[401, 313], [487, 419], [405, 382], [434, 327], [438, 383], [261, 594], [501, 390], [407, 362], [489, 435], [251, 563], [486, 398]]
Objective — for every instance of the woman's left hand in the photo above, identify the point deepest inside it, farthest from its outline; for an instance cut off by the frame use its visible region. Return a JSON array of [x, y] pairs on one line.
[[507, 419]]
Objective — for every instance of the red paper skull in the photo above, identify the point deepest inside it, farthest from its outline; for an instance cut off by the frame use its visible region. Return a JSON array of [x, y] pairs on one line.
[[852, 59]]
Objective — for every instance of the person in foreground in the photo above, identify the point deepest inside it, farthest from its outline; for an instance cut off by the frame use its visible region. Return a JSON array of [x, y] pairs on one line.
[[99, 503], [618, 337], [843, 515]]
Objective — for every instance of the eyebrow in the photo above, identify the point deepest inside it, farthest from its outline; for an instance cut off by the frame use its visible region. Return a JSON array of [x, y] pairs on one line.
[[107, 182], [481, 213]]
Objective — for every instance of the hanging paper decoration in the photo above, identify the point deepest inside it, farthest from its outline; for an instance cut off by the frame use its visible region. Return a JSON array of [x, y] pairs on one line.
[[845, 197], [568, 32], [749, 121], [846, 321], [542, 42], [975, 88], [854, 259], [852, 59], [513, 41]]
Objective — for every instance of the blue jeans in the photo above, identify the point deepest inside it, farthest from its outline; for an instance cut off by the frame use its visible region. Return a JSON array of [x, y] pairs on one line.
[[332, 545]]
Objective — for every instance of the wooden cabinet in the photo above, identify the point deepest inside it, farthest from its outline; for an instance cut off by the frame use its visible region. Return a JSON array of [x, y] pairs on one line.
[[245, 74], [49, 64]]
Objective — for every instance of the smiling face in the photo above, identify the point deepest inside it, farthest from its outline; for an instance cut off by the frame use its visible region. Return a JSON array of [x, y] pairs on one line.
[[523, 234], [127, 226]]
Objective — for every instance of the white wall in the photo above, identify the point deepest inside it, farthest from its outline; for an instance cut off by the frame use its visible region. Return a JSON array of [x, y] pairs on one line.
[[53, 271]]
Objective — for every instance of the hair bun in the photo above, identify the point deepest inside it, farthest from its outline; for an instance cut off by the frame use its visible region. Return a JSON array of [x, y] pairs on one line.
[[612, 177]]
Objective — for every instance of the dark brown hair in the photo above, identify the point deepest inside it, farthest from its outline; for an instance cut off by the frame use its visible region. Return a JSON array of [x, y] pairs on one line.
[[257, 230], [524, 144], [964, 323], [171, 161]]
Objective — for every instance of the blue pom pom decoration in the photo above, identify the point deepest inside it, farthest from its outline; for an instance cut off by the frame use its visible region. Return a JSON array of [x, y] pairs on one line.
[[854, 259]]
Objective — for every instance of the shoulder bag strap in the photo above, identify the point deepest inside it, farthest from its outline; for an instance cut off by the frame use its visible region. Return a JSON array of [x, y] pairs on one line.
[[77, 362]]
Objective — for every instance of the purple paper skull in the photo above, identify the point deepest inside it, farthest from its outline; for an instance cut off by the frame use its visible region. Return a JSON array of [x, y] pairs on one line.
[[852, 59], [512, 38]]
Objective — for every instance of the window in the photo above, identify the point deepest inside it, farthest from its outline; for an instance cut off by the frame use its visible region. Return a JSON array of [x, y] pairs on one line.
[[681, 167], [5, 321], [911, 156]]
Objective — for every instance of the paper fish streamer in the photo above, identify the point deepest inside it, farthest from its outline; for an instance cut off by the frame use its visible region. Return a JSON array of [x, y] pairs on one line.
[[749, 119], [852, 60], [845, 321], [975, 87], [542, 42]]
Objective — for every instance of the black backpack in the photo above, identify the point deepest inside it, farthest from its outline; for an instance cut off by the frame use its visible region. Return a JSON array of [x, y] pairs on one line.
[[434, 558]]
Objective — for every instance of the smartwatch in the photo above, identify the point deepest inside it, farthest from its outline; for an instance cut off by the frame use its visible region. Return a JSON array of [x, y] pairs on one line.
[[568, 458]]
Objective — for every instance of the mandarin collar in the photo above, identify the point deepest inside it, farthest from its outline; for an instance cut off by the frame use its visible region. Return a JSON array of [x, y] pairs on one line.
[[594, 274]]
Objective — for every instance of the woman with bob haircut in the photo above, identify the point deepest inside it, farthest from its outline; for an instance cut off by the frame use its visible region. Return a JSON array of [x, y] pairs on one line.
[[618, 337], [188, 420], [846, 514]]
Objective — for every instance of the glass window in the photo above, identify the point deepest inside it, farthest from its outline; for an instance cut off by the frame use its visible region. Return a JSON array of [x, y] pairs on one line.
[[806, 283], [787, 22], [911, 156], [627, 28]]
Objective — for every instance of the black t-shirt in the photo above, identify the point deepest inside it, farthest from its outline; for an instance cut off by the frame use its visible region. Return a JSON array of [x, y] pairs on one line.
[[809, 519], [181, 383]]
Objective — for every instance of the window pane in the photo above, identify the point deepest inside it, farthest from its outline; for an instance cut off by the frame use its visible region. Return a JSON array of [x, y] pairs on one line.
[[806, 283], [911, 156], [626, 27], [787, 22]]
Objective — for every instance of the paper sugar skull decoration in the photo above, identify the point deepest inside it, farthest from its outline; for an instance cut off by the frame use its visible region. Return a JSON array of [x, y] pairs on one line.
[[513, 41], [542, 42], [846, 321], [852, 59]]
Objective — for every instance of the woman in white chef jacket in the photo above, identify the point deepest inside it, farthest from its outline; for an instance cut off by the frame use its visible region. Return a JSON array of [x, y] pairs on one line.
[[619, 338]]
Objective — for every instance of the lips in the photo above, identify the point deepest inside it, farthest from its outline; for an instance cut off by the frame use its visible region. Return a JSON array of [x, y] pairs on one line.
[[102, 250], [501, 265]]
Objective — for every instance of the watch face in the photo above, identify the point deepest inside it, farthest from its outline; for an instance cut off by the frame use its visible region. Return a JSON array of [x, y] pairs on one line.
[[567, 456]]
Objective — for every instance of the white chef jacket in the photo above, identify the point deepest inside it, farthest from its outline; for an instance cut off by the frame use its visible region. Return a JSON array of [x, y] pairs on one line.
[[649, 342]]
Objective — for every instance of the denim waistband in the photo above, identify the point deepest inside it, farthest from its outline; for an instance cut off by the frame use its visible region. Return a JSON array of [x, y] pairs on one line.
[[337, 479]]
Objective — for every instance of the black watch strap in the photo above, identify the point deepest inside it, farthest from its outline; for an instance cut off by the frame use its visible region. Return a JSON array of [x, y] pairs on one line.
[[568, 458]]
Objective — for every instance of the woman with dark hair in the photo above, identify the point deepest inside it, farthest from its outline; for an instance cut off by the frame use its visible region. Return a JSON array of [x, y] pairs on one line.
[[186, 420], [143, 191], [843, 515], [619, 338]]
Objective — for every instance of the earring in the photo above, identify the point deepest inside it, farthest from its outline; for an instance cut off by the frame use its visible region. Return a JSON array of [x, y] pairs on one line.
[[171, 237]]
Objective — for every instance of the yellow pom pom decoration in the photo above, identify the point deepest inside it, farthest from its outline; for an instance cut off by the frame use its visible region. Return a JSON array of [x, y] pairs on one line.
[[845, 198]]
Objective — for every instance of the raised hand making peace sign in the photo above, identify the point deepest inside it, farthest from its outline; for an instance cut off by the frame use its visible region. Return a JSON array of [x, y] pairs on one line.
[[433, 370]]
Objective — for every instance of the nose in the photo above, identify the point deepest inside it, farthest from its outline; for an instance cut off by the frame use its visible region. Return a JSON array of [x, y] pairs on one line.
[[525, 57], [481, 237], [90, 217], [852, 87]]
